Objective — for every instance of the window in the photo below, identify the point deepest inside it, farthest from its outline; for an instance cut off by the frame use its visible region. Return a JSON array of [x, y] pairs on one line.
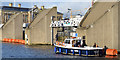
[[25, 18], [67, 41]]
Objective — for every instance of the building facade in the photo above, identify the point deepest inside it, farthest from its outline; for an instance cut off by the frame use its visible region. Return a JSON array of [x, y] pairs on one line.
[[29, 23], [7, 11]]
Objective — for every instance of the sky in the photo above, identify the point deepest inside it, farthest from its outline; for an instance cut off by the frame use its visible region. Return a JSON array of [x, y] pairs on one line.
[[62, 6]]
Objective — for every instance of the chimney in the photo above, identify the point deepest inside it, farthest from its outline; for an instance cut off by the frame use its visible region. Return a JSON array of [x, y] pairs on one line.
[[11, 4], [19, 5], [42, 7]]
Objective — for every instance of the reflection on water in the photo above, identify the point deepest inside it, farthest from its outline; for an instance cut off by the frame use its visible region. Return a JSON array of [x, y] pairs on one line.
[[111, 56], [11, 50]]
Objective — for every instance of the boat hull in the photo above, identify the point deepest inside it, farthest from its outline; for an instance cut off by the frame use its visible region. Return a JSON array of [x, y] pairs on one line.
[[78, 51]]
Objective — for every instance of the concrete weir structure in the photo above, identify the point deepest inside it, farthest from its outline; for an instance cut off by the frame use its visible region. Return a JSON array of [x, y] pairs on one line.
[[39, 30], [101, 25], [13, 27]]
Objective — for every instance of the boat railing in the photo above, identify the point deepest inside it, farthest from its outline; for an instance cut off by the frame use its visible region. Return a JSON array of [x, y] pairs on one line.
[[66, 23], [60, 43]]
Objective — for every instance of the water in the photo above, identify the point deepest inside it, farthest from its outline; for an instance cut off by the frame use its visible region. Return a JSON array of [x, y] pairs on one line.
[[10, 50]]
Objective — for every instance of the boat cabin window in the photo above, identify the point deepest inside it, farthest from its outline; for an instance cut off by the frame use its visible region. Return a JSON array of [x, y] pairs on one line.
[[76, 43], [67, 41]]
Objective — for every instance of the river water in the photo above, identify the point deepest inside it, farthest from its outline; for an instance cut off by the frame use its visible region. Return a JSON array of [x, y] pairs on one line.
[[11, 50]]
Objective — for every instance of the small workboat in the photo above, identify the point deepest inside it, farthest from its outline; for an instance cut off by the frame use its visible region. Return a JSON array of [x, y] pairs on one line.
[[76, 46]]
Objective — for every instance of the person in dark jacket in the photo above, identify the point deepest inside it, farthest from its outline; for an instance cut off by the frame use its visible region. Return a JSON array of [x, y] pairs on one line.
[[84, 43], [105, 48], [95, 45], [57, 37]]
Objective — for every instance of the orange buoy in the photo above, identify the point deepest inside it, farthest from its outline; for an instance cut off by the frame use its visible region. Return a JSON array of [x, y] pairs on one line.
[[4, 40], [111, 52], [7, 40], [16, 40], [20, 41], [58, 43], [23, 42], [13, 40], [63, 44]]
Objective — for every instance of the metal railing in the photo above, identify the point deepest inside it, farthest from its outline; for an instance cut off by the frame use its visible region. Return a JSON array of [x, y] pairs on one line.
[[67, 23]]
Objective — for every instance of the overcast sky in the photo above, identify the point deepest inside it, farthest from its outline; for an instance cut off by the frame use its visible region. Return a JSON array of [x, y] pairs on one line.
[[62, 6]]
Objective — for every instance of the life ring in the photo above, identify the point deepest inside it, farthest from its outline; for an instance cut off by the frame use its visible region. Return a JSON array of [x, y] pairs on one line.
[[63, 44]]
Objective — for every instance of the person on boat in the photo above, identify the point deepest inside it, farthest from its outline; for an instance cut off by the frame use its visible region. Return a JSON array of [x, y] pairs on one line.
[[77, 43], [57, 37], [95, 45], [105, 48], [83, 44], [74, 43]]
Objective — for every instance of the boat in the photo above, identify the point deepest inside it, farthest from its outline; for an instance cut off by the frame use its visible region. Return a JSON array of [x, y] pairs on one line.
[[74, 46]]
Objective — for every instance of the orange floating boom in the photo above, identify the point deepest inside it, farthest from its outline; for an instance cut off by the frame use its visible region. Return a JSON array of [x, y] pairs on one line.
[[111, 52], [13, 40]]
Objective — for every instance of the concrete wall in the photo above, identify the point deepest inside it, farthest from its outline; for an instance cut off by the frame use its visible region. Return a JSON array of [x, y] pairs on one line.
[[81, 32], [13, 28], [115, 26], [54, 34], [105, 31], [18, 26], [39, 31], [119, 26], [101, 33], [0, 34], [103, 24], [98, 9]]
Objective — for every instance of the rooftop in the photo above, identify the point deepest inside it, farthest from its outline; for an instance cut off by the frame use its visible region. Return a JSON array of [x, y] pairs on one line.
[[59, 13], [14, 8]]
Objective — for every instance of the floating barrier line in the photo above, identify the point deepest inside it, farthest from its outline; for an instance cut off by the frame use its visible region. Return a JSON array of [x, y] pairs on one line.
[[13, 40]]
